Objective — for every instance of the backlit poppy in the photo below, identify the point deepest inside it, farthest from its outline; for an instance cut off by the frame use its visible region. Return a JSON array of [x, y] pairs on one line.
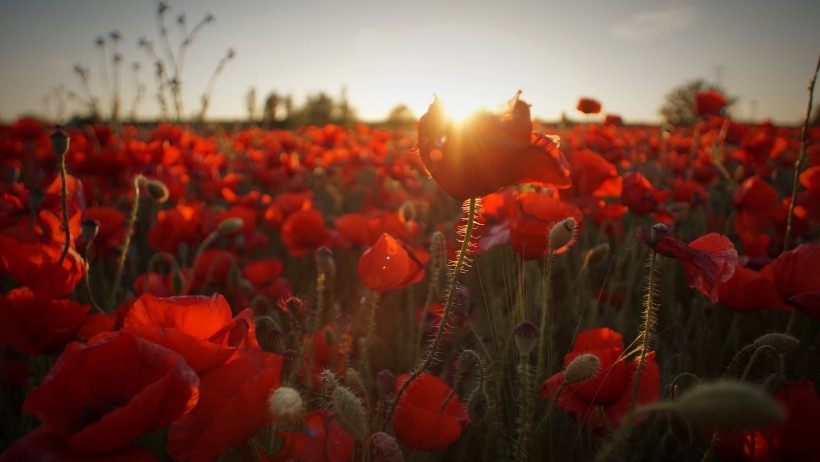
[[304, 231], [605, 398], [231, 409], [36, 325], [419, 421], [640, 196], [34, 264], [103, 396], [532, 217], [589, 106], [327, 442], [796, 278], [389, 264], [708, 261], [749, 290], [488, 151], [199, 328], [709, 102]]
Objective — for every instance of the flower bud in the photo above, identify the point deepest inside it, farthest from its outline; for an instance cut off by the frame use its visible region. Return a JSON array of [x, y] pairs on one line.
[[729, 406], [384, 448], [583, 367], [385, 382], [157, 190], [783, 343], [596, 255], [350, 412], [90, 228], [562, 234], [59, 142], [526, 337], [285, 405], [230, 225]]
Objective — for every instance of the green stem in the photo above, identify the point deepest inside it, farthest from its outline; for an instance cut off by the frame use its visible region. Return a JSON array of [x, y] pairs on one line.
[[88, 249], [646, 329], [65, 209], [545, 308], [448, 308], [129, 232], [524, 412], [800, 157]]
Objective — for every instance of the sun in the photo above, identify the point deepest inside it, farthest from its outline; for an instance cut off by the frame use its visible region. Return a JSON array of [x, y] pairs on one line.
[[458, 105]]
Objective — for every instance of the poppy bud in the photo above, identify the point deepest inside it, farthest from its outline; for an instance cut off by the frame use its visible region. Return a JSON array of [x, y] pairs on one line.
[[583, 367], [285, 405], [350, 412], [90, 228], [229, 225], [729, 406], [596, 255], [157, 190], [324, 261], [385, 448], [526, 337], [59, 142], [783, 343], [385, 382], [562, 234]]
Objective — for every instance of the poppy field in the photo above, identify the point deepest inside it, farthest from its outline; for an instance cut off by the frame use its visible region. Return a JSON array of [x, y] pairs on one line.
[[488, 289]]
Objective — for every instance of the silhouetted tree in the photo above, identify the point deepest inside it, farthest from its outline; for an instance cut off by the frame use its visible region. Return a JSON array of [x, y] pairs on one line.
[[400, 116], [679, 104]]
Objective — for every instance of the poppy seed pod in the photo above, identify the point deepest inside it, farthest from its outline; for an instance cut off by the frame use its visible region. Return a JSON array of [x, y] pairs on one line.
[[59, 142], [157, 190], [526, 337], [385, 448], [285, 405]]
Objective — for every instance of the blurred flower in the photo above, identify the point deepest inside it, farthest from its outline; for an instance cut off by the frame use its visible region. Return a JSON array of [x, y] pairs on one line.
[[709, 102], [488, 151], [796, 278], [101, 397], [749, 290], [35, 264], [37, 325], [610, 390], [389, 264], [304, 231], [589, 106], [419, 421]]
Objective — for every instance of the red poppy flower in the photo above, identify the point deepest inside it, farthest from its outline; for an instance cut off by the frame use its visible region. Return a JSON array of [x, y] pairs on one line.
[[389, 264], [197, 327], [263, 272], [810, 179], [212, 269], [112, 227], [613, 120], [796, 278], [232, 407], [531, 219], [293, 444], [35, 325], [610, 390], [304, 231], [44, 444], [94, 325], [755, 201], [34, 264], [419, 421], [175, 226], [328, 442], [640, 196], [488, 151], [592, 175], [325, 350], [589, 106], [749, 290], [708, 261], [103, 396], [793, 440], [709, 102]]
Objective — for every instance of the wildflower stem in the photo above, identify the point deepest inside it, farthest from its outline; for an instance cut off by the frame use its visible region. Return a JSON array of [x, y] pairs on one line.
[[545, 308], [65, 209], [448, 308], [646, 329], [129, 232], [799, 161], [88, 249], [525, 411]]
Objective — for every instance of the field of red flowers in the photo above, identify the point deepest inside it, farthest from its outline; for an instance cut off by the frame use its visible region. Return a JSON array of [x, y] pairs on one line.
[[486, 290]]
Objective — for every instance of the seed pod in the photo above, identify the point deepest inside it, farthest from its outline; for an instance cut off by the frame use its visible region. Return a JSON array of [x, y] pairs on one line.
[[59, 142], [526, 337], [583, 367], [285, 405], [562, 233], [385, 448]]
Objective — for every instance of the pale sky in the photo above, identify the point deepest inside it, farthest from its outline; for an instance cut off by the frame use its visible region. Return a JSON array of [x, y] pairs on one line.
[[626, 53]]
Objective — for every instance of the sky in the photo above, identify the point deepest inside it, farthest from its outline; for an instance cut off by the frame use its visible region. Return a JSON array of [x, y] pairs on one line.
[[628, 54]]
